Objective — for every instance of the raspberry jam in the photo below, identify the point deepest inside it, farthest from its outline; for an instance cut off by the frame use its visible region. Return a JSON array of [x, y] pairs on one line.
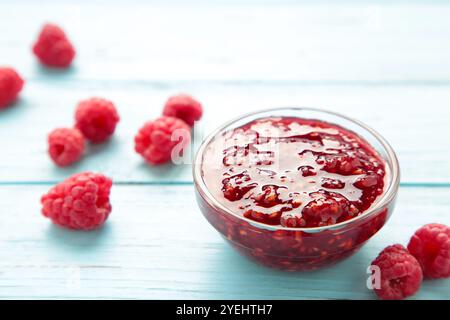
[[293, 172], [288, 181]]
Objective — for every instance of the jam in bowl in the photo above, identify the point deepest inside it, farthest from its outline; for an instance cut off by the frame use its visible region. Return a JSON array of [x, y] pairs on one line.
[[296, 188]]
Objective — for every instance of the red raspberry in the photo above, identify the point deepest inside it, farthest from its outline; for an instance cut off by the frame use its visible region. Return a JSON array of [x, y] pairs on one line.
[[401, 275], [65, 146], [10, 85], [97, 119], [430, 245], [80, 202], [184, 107], [154, 140], [53, 48]]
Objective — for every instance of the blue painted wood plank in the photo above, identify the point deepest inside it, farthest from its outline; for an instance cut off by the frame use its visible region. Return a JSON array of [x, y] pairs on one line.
[[401, 113], [313, 42], [157, 244]]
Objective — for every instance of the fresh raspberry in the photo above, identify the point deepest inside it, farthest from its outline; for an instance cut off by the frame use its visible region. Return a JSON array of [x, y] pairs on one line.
[[184, 107], [97, 119], [53, 48], [65, 146], [79, 202], [154, 140], [430, 245], [401, 275], [10, 85]]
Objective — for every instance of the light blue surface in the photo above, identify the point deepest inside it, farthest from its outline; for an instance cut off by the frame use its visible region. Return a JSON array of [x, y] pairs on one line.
[[385, 63]]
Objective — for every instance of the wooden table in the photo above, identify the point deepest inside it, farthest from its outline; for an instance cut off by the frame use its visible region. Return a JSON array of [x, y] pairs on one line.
[[387, 64]]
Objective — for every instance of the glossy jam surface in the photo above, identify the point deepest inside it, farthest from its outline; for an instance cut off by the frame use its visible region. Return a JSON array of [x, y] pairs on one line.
[[293, 172]]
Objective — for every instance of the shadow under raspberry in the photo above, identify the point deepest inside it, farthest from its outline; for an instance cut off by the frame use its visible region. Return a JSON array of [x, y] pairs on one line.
[[78, 241]]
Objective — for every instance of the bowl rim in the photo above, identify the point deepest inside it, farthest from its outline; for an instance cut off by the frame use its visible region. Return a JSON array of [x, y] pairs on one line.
[[386, 197]]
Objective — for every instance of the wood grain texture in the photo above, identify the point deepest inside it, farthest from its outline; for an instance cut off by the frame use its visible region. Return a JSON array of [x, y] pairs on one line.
[[386, 63], [157, 245]]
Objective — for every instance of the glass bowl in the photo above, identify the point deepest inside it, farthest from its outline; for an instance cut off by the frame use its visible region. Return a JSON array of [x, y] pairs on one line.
[[299, 249]]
